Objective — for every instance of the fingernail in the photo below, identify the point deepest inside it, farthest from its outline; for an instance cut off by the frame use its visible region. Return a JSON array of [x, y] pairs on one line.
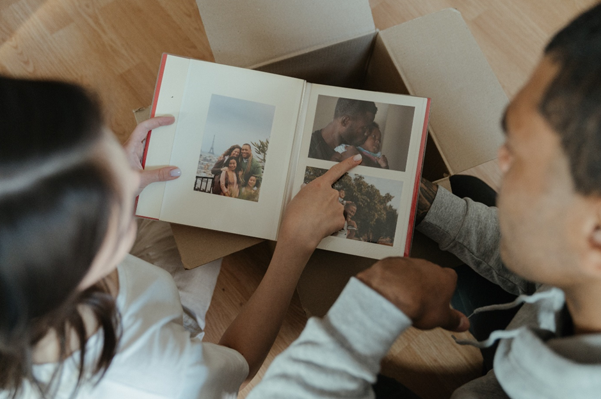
[[175, 172], [357, 157]]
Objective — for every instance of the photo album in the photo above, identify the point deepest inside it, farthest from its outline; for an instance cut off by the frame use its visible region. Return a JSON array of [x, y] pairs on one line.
[[248, 141]]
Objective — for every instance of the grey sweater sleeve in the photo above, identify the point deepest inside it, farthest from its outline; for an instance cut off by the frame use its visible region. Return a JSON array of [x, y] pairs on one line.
[[337, 356], [470, 230]]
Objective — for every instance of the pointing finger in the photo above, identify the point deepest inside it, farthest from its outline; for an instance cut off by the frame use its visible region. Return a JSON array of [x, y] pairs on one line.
[[338, 170]]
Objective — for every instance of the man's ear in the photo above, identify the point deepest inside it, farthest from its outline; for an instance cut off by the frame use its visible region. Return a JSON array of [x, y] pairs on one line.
[[345, 120], [594, 257]]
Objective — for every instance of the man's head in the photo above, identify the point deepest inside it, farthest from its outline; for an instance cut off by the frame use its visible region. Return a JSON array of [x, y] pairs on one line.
[[341, 193], [246, 151], [550, 199], [354, 117]]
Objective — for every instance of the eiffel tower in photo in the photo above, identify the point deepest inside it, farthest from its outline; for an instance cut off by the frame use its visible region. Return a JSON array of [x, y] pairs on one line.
[[212, 151]]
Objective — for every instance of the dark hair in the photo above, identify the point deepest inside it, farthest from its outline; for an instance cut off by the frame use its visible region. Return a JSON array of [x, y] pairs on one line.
[[373, 126], [56, 199], [572, 102], [232, 159], [353, 108], [229, 151]]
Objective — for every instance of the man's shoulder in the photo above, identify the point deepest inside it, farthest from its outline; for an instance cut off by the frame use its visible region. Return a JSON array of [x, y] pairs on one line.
[[316, 135], [319, 148]]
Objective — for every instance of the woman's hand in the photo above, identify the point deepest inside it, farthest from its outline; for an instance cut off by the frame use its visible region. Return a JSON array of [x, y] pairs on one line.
[[315, 211], [313, 214], [134, 148]]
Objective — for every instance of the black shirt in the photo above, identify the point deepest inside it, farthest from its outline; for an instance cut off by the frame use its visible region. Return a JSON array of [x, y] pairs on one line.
[[319, 149]]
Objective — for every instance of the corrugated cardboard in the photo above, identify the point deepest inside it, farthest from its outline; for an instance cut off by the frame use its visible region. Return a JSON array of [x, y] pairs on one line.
[[251, 34], [437, 57], [335, 43]]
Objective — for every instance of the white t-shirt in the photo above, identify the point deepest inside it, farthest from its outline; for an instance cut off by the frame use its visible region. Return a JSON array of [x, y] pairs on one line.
[[157, 357]]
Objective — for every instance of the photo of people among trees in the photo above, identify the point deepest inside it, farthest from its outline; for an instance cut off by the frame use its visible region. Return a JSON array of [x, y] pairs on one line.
[[371, 213], [234, 148]]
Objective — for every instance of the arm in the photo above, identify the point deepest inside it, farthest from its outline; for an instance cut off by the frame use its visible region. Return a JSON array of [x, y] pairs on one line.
[[222, 178], [469, 230], [257, 172], [313, 214], [339, 356], [351, 229], [383, 161], [218, 165]]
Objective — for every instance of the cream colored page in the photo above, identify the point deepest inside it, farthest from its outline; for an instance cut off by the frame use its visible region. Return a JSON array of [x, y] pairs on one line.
[[223, 106], [401, 121], [158, 154]]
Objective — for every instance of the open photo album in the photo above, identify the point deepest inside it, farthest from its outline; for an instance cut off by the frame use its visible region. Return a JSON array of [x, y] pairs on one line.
[[248, 141]]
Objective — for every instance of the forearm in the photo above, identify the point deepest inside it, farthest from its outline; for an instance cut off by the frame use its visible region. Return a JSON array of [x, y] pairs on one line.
[[470, 231], [339, 355], [255, 329]]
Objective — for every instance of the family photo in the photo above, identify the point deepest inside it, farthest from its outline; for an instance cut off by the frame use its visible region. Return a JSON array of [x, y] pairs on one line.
[[369, 207], [234, 148], [345, 127]]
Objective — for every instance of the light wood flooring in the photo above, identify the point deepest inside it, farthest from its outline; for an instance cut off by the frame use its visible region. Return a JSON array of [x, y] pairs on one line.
[[114, 47]]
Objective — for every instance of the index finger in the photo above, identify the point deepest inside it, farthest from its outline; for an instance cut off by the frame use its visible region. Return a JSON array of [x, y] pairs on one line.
[[336, 171], [142, 129]]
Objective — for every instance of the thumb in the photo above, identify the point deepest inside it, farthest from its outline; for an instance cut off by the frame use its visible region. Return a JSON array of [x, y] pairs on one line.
[[457, 321], [156, 175]]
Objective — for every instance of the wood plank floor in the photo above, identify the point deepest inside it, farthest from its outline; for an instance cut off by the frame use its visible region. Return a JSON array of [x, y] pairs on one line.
[[113, 47]]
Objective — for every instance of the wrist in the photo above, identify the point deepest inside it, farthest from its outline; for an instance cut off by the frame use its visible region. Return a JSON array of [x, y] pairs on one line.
[[297, 245], [397, 282], [404, 304], [427, 194]]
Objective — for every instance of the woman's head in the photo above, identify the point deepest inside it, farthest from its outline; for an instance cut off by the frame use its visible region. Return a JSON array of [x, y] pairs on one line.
[[233, 151], [252, 181], [64, 191], [232, 164]]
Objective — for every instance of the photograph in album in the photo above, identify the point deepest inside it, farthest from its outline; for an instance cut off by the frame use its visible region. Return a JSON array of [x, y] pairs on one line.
[[344, 127], [370, 206], [245, 141], [234, 148]]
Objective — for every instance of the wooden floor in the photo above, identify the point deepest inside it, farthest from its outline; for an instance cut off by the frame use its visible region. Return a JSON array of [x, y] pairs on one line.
[[114, 46]]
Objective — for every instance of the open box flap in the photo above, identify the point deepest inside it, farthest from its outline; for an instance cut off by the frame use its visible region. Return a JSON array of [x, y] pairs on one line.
[[437, 57], [251, 33]]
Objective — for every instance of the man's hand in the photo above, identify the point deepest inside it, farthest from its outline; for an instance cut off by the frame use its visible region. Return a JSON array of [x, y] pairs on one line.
[[420, 289], [315, 211], [134, 148], [427, 193]]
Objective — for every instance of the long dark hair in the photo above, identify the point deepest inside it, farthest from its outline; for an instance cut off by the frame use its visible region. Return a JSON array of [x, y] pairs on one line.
[[229, 151], [56, 199]]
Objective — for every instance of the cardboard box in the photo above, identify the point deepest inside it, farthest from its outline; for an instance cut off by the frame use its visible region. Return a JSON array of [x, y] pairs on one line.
[[336, 43]]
